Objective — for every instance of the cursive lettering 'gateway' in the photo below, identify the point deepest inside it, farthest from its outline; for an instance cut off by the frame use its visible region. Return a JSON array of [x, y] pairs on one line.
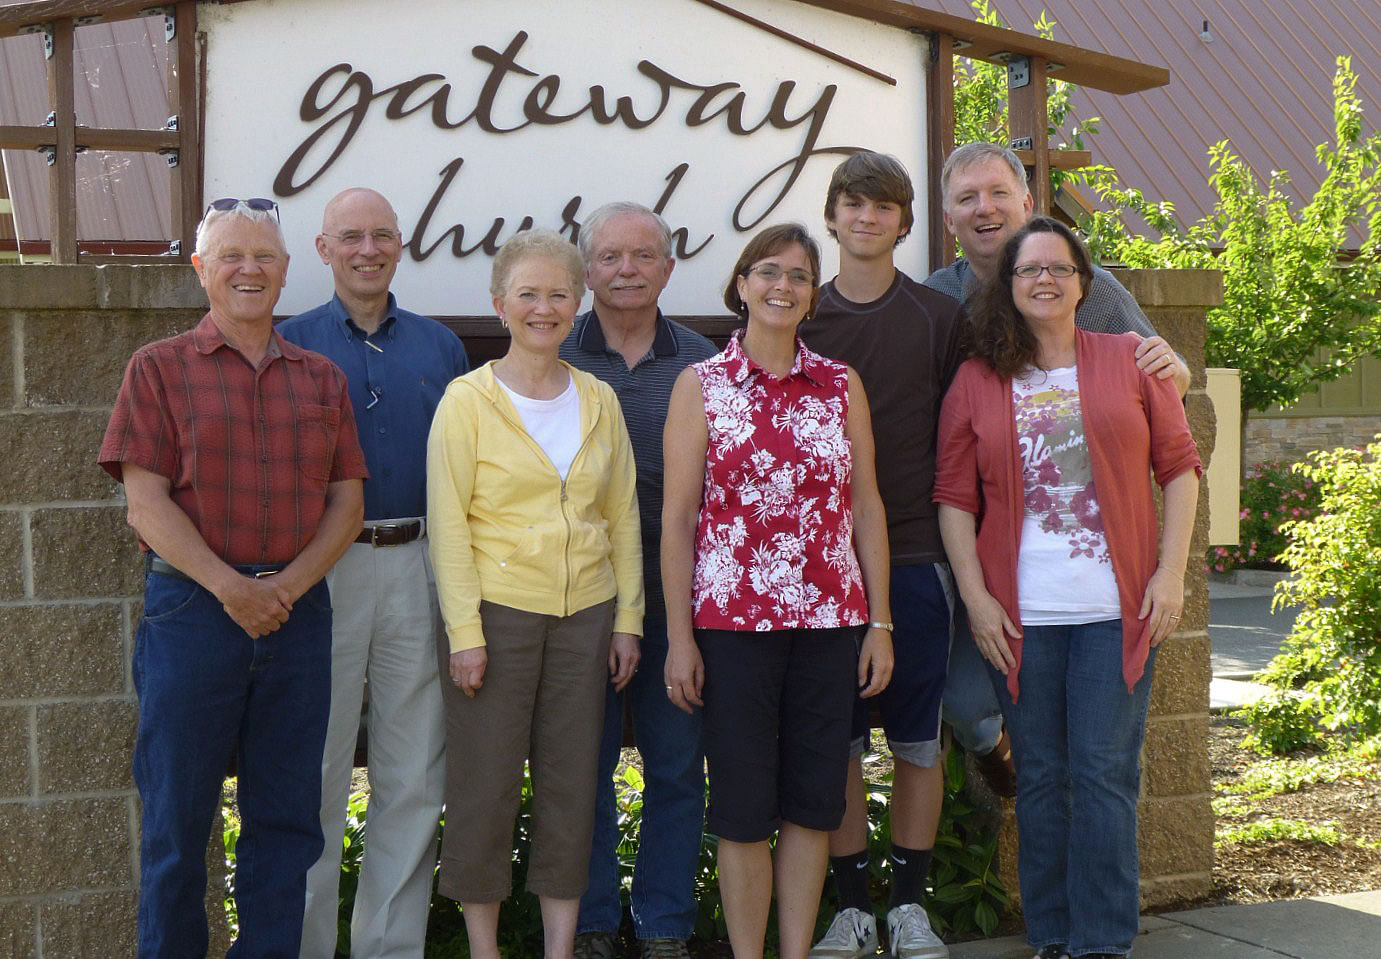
[[338, 101]]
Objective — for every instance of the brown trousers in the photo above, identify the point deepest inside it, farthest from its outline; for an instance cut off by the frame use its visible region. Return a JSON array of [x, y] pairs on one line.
[[542, 702]]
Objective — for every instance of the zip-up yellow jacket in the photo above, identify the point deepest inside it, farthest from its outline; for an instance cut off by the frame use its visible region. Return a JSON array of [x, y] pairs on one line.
[[505, 527]]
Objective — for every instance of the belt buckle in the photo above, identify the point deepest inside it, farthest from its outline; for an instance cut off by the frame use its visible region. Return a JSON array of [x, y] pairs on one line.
[[374, 533]]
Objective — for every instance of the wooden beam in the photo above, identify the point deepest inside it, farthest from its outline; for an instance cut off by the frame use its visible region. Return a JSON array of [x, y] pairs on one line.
[[1058, 159], [16, 16], [62, 175], [186, 99], [940, 105], [93, 138], [1027, 118], [980, 41]]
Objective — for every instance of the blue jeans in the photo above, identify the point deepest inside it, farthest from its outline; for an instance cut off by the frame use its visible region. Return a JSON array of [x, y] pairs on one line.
[[673, 812], [1076, 740], [206, 690], [970, 706]]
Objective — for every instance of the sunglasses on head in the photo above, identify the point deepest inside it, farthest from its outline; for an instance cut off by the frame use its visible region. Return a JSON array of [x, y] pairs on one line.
[[257, 203]]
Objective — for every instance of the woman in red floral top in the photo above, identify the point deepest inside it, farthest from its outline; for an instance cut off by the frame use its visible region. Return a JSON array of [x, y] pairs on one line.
[[775, 565]]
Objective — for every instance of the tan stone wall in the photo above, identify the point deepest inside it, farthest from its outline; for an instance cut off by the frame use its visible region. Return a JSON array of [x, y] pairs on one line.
[[70, 585], [1290, 439], [1176, 816]]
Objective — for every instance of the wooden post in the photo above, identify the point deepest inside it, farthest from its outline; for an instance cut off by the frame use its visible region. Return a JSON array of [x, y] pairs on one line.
[[62, 175], [1027, 120], [940, 106], [185, 99]]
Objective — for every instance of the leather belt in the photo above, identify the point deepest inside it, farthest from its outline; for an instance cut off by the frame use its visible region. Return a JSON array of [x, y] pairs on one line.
[[159, 565], [391, 534]]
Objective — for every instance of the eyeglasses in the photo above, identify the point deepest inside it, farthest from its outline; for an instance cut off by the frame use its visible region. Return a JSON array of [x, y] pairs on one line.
[[356, 237], [257, 203], [771, 272], [1029, 271]]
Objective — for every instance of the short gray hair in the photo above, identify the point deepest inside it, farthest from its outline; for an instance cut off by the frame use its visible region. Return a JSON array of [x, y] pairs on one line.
[[240, 209], [609, 211], [536, 244], [971, 153]]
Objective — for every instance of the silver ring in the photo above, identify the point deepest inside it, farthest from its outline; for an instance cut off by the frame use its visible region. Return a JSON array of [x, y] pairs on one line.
[[670, 688]]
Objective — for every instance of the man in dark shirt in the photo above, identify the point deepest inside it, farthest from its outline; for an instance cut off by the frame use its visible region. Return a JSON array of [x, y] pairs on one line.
[[903, 340], [627, 342], [386, 615], [243, 474]]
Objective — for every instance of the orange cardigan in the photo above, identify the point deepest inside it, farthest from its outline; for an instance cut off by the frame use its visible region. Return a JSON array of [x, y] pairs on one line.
[[1134, 424]]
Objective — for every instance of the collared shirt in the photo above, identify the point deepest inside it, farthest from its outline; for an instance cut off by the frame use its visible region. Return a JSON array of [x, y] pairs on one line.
[[643, 393], [1106, 308], [249, 452], [396, 375], [774, 540]]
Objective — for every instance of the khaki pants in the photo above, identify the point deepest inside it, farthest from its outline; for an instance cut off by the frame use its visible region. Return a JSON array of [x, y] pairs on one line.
[[542, 701]]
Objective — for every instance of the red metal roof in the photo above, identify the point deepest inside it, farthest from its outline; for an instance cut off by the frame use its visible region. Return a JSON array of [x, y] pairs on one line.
[[120, 69], [1264, 82]]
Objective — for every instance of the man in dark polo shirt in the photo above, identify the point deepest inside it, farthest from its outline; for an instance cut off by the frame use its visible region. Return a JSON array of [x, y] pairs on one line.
[[243, 474], [627, 342], [387, 620]]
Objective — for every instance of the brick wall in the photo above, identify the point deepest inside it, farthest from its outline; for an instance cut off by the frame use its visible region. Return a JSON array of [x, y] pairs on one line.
[[1290, 439], [70, 593], [70, 584]]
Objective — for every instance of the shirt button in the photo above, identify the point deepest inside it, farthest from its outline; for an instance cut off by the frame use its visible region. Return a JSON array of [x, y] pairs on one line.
[[382, 430]]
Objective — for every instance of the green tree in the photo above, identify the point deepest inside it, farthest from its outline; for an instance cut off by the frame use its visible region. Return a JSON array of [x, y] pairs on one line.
[[1293, 316]]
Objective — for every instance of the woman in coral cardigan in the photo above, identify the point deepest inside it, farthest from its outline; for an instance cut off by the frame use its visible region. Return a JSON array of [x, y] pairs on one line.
[[1049, 438]]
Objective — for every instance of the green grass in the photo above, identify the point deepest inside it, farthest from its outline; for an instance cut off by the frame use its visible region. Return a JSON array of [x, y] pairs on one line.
[[1268, 830], [1274, 777]]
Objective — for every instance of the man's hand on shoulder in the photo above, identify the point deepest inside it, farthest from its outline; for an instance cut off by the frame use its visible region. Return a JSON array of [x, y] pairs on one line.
[[1155, 357]]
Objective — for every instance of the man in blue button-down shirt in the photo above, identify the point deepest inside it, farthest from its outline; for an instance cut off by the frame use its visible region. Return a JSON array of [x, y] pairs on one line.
[[386, 614]]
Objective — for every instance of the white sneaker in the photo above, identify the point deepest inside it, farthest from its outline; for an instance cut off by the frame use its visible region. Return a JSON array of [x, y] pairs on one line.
[[852, 935], [909, 932]]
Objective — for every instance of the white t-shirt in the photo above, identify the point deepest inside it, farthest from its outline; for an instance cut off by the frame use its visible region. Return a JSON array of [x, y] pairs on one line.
[[553, 425], [1064, 571]]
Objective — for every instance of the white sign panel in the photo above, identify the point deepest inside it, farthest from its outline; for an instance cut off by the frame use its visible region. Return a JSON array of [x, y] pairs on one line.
[[480, 118]]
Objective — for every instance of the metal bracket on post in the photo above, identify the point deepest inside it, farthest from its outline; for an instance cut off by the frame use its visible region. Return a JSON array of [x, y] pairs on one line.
[[175, 248], [1021, 143], [170, 123], [170, 156], [169, 15], [47, 30], [50, 153], [1018, 72]]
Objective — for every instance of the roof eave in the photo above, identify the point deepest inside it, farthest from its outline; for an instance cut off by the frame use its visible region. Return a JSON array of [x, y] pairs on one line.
[[995, 44]]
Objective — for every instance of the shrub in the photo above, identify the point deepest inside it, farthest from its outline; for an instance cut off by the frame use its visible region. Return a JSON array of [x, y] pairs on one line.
[[1273, 494], [1329, 675], [966, 895]]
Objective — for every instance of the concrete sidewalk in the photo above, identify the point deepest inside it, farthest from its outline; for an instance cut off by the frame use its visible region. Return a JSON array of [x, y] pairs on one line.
[[1330, 927]]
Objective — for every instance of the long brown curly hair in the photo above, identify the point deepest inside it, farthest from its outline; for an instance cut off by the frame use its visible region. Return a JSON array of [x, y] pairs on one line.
[[1000, 334]]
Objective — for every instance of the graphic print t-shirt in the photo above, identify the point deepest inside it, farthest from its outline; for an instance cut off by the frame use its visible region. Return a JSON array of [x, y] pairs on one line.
[[1064, 572]]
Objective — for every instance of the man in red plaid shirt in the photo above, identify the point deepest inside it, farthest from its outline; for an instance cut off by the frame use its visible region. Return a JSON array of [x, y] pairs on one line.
[[243, 475]]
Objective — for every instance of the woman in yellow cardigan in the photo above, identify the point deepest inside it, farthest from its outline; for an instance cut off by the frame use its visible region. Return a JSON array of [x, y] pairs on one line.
[[538, 559]]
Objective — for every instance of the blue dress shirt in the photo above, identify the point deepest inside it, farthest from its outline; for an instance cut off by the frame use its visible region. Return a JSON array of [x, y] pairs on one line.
[[396, 378]]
